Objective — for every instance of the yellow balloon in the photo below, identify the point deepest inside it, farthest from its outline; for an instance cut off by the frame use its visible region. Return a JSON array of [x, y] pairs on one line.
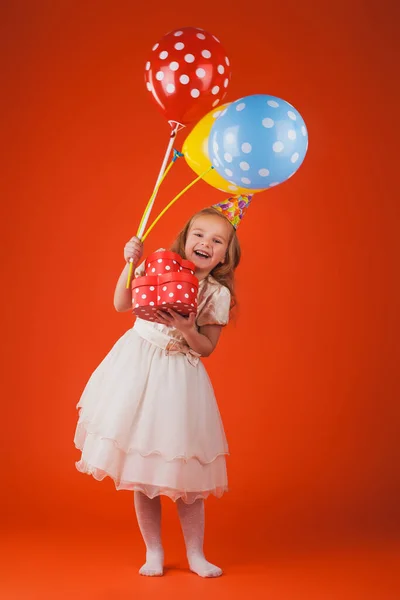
[[195, 151]]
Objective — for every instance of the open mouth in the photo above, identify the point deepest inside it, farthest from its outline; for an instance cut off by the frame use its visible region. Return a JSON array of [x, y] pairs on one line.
[[201, 254]]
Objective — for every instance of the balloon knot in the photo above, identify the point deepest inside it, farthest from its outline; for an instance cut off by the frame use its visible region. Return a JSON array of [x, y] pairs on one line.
[[177, 155]]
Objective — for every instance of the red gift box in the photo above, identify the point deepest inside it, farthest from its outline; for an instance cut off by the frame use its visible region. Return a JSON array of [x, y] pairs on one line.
[[165, 261], [159, 263], [187, 266], [169, 283]]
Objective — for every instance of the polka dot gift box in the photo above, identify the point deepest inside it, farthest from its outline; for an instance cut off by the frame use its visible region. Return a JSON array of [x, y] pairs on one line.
[[169, 283], [160, 263]]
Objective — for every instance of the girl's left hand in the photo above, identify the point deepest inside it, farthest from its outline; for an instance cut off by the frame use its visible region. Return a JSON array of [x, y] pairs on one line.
[[171, 318]]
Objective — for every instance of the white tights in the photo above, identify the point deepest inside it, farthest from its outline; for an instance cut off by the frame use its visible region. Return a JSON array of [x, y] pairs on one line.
[[148, 513]]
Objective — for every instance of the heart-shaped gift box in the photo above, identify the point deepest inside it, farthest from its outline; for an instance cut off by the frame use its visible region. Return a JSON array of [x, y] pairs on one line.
[[169, 282], [166, 261]]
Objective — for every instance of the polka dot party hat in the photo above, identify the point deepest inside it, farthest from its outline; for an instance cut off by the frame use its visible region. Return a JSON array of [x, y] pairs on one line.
[[234, 208]]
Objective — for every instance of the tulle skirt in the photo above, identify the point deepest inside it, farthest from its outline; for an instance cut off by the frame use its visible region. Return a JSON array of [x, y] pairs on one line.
[[149, 420]]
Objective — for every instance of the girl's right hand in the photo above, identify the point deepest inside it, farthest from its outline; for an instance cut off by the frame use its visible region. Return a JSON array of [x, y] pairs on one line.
[[133, 250]]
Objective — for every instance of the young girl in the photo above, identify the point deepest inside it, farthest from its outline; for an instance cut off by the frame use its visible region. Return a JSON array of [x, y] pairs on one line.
[[148, 415]]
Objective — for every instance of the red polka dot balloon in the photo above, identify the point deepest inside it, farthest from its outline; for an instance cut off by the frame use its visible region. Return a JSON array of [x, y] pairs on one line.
[[188, 74]]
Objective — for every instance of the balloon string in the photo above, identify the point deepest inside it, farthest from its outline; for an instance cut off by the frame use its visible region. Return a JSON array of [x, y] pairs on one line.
[[158, 185], [174, 200], [162, 175], [160, 178]]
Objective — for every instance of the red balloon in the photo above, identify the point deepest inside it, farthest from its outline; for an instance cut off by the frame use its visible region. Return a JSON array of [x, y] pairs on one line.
[[188, 74]]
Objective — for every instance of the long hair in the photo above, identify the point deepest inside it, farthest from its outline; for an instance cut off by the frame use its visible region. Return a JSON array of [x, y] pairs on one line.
[[223, 272]]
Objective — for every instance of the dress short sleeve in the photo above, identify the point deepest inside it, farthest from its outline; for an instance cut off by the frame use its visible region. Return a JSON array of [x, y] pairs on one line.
[[214, 309]]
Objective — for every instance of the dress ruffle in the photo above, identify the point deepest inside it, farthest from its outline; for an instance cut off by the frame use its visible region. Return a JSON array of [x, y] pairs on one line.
[[152, 473]]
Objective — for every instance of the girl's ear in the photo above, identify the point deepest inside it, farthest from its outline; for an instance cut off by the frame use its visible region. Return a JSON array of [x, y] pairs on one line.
[[226, 257]]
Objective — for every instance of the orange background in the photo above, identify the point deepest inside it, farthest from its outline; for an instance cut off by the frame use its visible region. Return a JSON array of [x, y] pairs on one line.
[[307, 374]]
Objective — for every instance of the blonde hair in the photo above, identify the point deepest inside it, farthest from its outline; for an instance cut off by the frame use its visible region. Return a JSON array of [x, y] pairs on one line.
[[223, 272]]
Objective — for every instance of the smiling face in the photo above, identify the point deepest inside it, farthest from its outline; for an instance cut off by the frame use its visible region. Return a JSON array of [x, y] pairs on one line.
[[207, 242]]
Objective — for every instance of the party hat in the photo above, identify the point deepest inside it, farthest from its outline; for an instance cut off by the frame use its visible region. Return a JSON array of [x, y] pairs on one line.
[[234, 208]]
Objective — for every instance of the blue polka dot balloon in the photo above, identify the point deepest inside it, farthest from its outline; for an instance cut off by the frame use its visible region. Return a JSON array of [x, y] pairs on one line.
[[258, 142]]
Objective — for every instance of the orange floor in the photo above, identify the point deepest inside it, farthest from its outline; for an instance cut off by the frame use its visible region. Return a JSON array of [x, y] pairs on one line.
[[44, 564]]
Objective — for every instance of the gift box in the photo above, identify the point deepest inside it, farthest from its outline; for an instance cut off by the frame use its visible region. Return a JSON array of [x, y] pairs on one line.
[[169, 283], [160, 263], [187, 266], [165, 261]]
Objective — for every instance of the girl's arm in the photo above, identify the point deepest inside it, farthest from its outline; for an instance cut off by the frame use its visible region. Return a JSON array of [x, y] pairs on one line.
[[122, 296], [202, 341]]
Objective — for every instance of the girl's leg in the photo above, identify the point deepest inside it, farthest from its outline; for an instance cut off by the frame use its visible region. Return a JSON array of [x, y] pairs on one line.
[[192, 520], [148, 513]]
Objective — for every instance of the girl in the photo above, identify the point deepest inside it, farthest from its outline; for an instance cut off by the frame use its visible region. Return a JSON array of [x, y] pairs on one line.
[[148, 417]]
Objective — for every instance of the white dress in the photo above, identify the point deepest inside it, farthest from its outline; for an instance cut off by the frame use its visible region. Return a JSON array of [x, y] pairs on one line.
[[148, 417]]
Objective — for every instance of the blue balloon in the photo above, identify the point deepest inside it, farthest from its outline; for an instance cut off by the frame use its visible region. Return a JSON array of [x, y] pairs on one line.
[[258, 142]]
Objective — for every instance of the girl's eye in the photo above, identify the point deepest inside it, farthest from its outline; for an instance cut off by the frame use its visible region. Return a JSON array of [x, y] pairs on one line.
[[198, 234], [218, 241]]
